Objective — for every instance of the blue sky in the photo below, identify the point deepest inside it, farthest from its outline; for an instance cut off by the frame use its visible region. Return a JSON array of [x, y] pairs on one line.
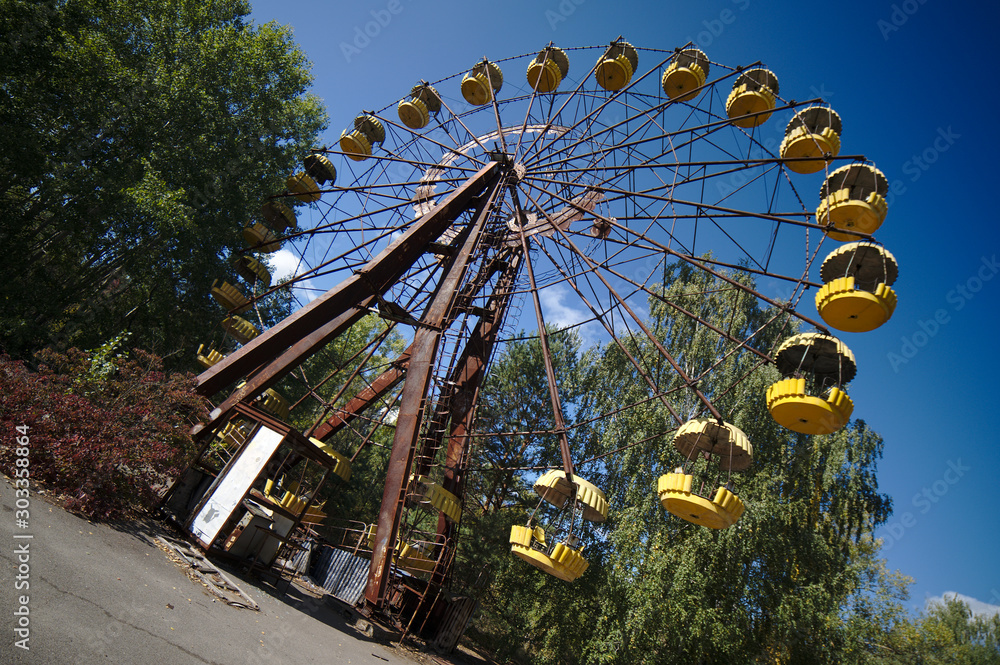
[[912, 82]]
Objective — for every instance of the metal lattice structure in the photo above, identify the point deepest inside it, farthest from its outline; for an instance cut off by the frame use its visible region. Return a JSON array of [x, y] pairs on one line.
[[478, 204]]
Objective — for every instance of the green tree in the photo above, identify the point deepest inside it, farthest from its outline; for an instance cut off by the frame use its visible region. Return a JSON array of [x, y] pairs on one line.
[[787, 584], [138, 140], [946, 632], [515, 399]]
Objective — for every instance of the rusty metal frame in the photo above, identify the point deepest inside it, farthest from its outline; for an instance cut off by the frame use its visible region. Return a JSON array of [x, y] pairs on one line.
[[375, 278], [412, 403]]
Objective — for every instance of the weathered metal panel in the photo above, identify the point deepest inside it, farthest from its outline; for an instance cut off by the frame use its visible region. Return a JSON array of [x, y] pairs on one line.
[[456, 620], [341, 573]]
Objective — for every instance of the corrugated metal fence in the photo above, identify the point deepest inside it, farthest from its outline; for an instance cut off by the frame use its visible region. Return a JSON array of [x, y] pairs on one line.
[[341, 573]]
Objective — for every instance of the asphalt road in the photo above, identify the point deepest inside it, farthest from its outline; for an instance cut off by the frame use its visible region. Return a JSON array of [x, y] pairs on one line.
[[98, 594]]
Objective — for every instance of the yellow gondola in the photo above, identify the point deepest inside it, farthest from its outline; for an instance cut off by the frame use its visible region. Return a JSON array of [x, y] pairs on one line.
[[278, 215], [320, 168], [818, 405], [207, 357], [852, 199], [812, 133], [431, 495], [416, 111], [260, 238], [721, 443], [753, 98], [616, 67], [252, 270], [342, 465], [229, 297], [481, 85], [303, 187], [548, 69], [241, 330], [857, 294], [559, 555], [683, 79], [360, 141]]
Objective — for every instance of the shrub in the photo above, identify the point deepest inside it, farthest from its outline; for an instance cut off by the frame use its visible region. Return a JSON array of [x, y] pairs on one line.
[[106, 430]]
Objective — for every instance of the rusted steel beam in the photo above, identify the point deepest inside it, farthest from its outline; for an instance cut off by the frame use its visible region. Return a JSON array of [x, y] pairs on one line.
[[274, 371], [412, 399], [363, 400], [378, 275], [550, 372], [507, 263], [462, 404]]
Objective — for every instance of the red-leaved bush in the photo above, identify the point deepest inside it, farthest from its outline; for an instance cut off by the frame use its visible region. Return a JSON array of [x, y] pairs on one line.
[[105, 434]]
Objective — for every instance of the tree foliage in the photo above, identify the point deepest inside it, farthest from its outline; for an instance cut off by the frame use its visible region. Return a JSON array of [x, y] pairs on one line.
[[786, 584], [138, 140]]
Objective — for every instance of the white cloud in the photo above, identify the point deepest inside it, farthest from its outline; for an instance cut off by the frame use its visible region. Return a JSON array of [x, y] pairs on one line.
[[284, 265], [978, 607], [563, 308], [556, 309]]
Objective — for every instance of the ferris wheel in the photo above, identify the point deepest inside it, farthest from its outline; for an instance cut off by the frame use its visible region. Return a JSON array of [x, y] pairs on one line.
[[556, 188]]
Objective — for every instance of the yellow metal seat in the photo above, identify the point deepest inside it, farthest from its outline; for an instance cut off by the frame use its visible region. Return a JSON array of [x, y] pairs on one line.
[[414, 113], [831, 365], [314, 515], [410, 558], [683, 79], [794, 409], [207, 357], [813, 132], [847, 213], [676, 496], [446, 502], [723, 441], [242, 330], [272, 402], [852, 310], [356, 145], [252, 270], [406, 556], [260, 238], [360, 141], [232, 435], [802, 143], [320, 168], [564, 562], [753, 96], [824, 357], [229, 297], [278, 215], [481, 85], [548, 69], [437, 497], [617, 66], [303, 187], [852, 198], [341, 466], [857, 294], [554, 488]]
